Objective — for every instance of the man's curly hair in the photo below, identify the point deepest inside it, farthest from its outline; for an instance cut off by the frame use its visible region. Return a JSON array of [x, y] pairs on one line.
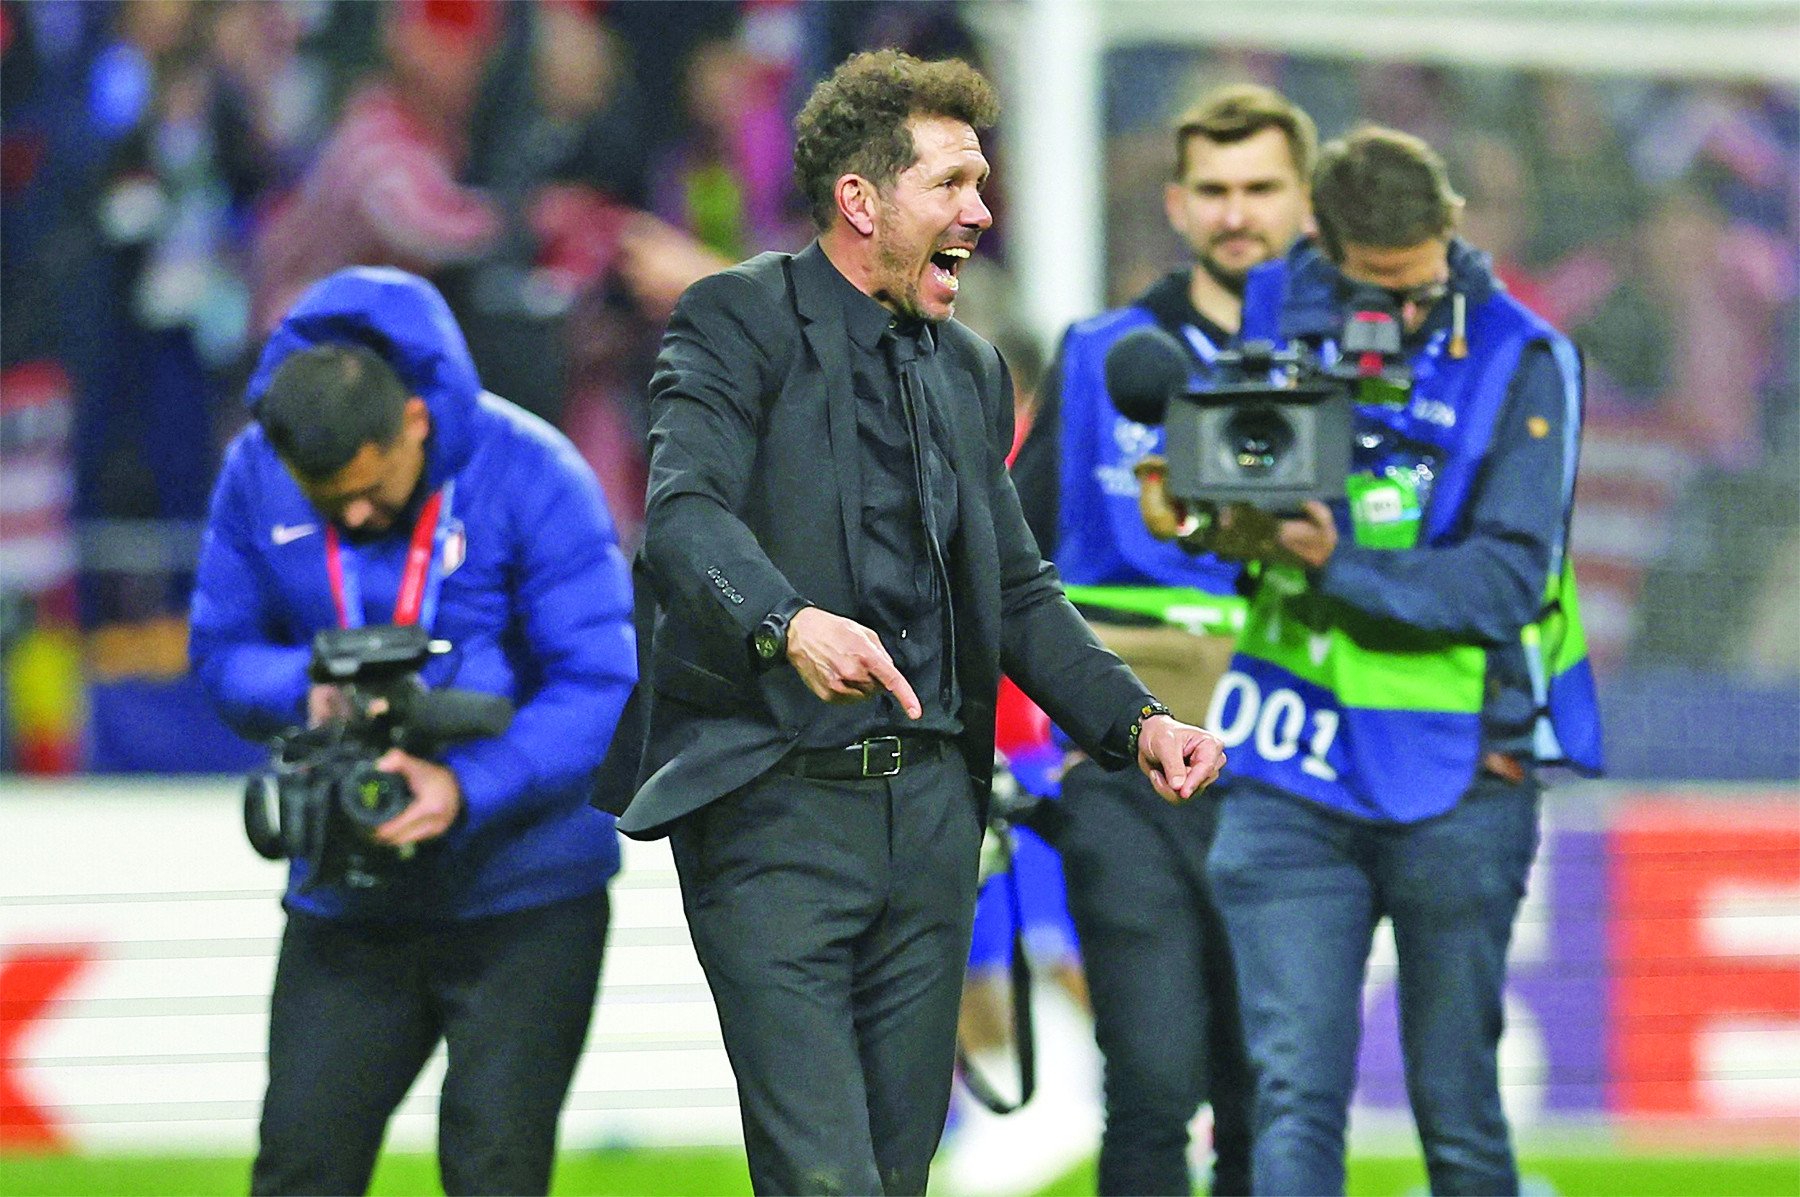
[[855, 120]]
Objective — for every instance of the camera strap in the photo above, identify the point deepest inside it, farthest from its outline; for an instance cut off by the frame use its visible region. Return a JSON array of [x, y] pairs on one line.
[[420, 581], [1201, 344], [1025, 1042]]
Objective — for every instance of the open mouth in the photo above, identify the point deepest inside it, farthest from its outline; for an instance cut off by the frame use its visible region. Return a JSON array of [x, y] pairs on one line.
[[946, 264]]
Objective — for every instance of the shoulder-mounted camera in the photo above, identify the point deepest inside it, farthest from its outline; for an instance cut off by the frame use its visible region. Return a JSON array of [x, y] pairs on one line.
[[1272, 426], [321, 797]]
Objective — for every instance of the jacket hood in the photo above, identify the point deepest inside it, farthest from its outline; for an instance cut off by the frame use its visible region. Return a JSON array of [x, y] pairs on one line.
[[404, 319], [1315, 287]]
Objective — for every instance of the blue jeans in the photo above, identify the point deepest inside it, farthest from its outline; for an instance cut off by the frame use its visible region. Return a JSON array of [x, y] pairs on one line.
[[1301, 890]]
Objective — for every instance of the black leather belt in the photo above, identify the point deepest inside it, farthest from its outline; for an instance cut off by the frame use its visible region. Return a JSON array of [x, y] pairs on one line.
[[877, 756]]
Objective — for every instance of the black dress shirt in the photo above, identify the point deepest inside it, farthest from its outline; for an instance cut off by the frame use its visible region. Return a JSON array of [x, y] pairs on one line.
[[904, 593]]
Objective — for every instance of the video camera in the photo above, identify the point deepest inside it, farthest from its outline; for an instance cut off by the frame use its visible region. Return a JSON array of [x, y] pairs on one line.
[[1273, 427], [321, 797]]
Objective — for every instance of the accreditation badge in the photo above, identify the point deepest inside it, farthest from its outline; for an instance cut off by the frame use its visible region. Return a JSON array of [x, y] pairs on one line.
[[456, 547], [1384, 510]]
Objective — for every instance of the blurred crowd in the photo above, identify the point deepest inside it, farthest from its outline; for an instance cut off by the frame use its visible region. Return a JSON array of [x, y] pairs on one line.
[[1657, 222], [176, 172]]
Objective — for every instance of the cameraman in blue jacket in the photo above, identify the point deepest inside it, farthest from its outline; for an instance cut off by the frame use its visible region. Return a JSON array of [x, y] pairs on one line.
[[380, 484]]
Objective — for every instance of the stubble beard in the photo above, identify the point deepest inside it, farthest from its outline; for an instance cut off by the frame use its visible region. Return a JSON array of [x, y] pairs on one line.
[[900, 285], [899, 288], [1232, 280], [365, 535]]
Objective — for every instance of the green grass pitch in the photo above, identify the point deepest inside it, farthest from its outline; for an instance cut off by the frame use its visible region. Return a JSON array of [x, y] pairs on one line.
[[698, 1173]]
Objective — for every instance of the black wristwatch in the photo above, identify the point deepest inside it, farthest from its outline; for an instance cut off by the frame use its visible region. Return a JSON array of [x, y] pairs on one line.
[[1147, 712], [769, 641]]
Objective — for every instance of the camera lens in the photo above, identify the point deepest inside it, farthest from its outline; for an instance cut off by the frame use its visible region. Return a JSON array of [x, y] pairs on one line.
[[370, 797], [1257, 440]]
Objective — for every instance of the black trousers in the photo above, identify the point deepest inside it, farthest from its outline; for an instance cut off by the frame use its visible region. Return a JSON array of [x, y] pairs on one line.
[[358, 1008], [1160, 976], [832, 919]]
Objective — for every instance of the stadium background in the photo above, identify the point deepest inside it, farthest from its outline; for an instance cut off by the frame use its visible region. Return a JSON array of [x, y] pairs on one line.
[[1635, 167]]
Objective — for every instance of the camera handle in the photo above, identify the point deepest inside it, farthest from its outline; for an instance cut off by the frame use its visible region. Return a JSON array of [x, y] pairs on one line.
[[1164, 516]]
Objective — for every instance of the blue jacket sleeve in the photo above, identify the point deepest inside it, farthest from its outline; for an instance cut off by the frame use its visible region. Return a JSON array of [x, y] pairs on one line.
[[257, 683], [573, 606], [1486, 584]]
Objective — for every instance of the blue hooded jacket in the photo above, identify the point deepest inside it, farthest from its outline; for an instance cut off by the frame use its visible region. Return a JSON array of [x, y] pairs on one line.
[[535, 599]]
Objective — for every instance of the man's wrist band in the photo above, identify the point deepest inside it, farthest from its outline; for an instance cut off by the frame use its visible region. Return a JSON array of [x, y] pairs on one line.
[[768, 644], [1147, 712]]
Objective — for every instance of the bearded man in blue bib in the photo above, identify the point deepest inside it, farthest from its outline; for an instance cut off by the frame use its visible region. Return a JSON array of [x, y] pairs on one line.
[[1412, 655], [380, 484], [1153, 948]]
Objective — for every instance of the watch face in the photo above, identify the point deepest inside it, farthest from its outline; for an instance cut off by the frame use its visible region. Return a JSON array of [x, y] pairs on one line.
[[768, 643]]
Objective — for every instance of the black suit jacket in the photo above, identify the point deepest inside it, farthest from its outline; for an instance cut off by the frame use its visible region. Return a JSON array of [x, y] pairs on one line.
[[755, 498]]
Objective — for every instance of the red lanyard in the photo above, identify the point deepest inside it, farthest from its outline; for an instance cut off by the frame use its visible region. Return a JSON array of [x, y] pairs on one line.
[[416, 592]]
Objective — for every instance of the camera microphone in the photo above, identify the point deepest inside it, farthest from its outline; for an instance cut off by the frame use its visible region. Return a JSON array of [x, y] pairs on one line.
[[457, 715], [1143, 369]]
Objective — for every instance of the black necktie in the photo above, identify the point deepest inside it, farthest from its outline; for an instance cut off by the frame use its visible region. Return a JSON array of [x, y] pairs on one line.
[[903, 351]]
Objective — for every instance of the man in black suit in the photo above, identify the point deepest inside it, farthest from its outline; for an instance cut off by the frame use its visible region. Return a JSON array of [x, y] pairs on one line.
[[842, 572]]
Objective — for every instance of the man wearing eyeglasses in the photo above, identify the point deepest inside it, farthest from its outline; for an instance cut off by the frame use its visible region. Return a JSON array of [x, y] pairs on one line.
[[1411, 656]]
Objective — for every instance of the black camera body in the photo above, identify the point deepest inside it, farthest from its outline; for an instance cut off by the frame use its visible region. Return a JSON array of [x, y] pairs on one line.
[[321, 797], [1271, 445], [1273, 427]]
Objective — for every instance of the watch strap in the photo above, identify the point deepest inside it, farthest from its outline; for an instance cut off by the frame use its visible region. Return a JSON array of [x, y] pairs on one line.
[[1145, 713]]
